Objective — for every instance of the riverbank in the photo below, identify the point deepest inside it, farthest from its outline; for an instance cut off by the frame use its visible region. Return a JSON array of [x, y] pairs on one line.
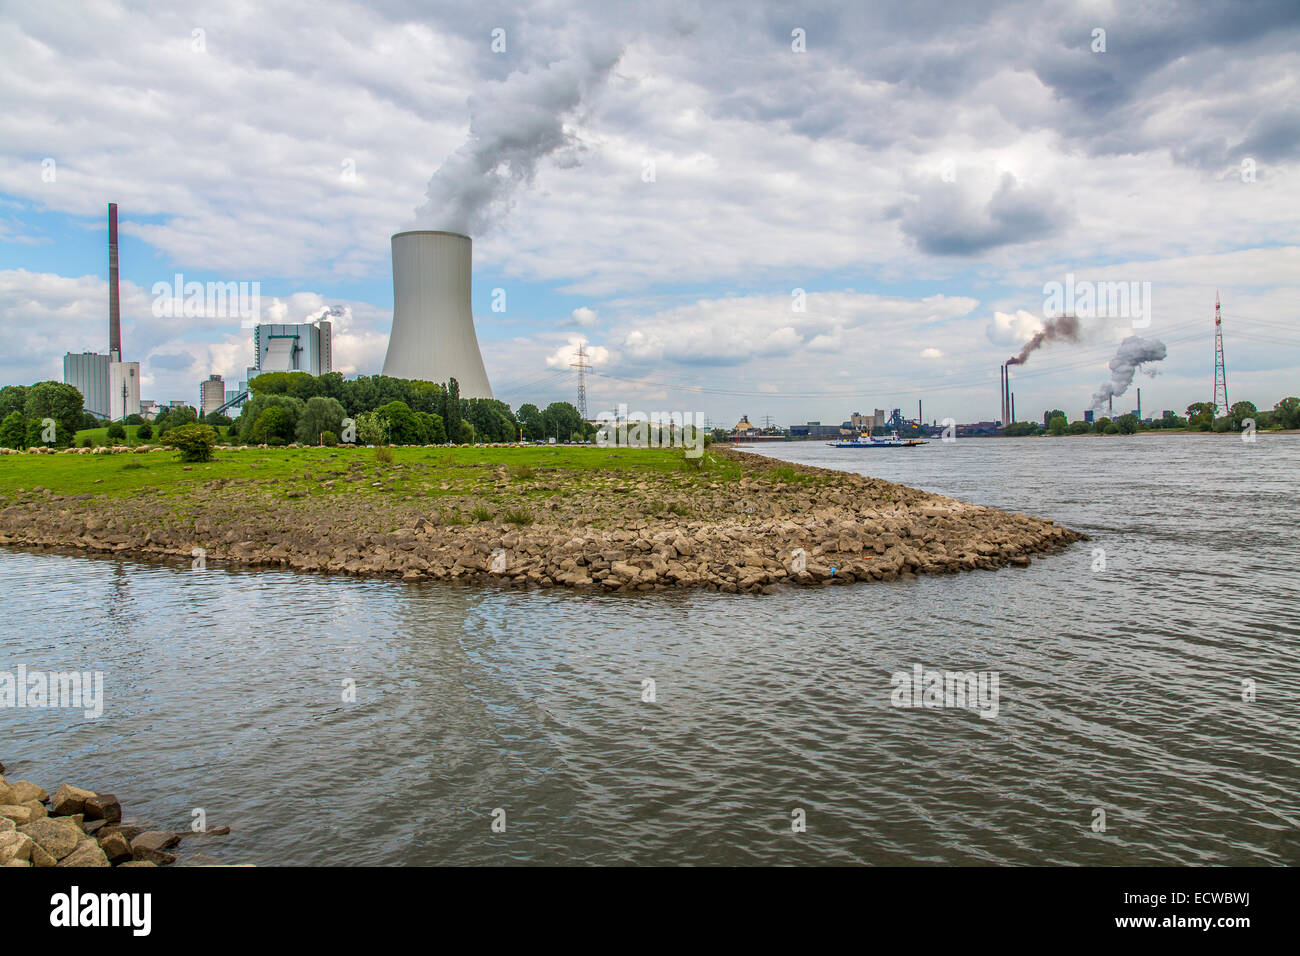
[[77, 828], [569, 516]]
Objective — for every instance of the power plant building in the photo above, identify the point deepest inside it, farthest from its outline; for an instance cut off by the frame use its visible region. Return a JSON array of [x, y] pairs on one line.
[[87, 372], [433, 337], [123, 389], [304, 347], [212, 394]]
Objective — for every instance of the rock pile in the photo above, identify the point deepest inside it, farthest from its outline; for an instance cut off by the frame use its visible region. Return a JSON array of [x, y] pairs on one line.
[[773, 524], [75, 827]]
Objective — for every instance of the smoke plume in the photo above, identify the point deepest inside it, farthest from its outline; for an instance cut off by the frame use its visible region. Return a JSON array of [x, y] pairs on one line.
[[1064, 328], [1133, 352], [513, 126]]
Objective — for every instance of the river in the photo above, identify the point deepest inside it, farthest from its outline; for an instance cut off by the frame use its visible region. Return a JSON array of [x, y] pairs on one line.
[[771, 738]]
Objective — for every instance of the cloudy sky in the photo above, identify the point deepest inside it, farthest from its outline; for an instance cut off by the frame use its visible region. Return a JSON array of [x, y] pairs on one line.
[[794, 210]]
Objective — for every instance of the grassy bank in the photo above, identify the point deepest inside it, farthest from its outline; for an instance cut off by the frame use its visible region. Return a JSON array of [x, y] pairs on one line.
[[530, 472], [99, 436], [617, 519]]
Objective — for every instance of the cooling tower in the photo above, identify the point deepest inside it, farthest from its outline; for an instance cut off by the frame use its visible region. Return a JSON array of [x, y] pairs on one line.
[[433, 328]]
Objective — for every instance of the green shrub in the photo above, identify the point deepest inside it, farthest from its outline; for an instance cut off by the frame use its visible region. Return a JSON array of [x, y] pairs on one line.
[[518, 516], [194, 442], [87, 442], [385, 454], [481, 514], [13, 431], [116, 430], [329, 439], [144, 432]]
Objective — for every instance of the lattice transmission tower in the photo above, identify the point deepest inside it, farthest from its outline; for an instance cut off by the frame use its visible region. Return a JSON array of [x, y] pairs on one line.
[[582, 365], [1220, 373]]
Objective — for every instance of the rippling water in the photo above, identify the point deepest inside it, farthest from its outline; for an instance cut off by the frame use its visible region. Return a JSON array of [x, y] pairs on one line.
[[1120, 689]]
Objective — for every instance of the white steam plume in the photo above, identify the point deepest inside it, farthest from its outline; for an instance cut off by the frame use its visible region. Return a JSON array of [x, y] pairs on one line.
[[1133, 352], [513, 125]]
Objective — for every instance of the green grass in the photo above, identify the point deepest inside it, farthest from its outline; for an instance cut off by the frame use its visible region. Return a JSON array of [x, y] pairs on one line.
[[99, 436], [424, 473]]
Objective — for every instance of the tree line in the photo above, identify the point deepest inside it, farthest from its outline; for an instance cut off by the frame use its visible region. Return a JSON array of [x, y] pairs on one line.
[[1200, 417], [310, 410]]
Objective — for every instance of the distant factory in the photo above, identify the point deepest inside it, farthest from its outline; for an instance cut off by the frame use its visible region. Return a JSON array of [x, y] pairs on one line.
[[110, 388]]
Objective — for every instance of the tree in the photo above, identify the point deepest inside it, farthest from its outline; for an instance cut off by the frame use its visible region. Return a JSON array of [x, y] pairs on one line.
[[256, 405], [1127, 423], [561, 419], [134, 419], [1057, 425], [116, 430], [144, 432], [451, 409], [194, 442], [400, 424], [1080, 428], [371, 429], [1240, 411], [1200, 415], [13, 431], [432, 429], [62, 403], [1099, 426], [12, 399], [1287, 412], [275, 426], [319, 415], [492, 420], [464, 433], [175, 418], [530, 417]]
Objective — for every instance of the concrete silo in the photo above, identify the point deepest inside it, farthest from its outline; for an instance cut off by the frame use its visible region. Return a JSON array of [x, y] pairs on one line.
[[433, 327]]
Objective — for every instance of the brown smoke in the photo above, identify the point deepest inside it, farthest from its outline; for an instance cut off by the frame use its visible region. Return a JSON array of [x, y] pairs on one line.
[[1064, 328]]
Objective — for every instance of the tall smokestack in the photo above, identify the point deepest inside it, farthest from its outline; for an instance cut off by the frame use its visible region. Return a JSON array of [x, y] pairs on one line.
[[1139, 404], [1002, 387], [114, 308], [433, 334], [1013, 406]]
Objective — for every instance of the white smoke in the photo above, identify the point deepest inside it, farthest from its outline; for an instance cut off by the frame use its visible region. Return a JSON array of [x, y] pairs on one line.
[[513, 125], [1133, 352]]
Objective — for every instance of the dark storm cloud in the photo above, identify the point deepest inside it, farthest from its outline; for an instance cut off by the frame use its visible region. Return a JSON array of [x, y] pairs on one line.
[[949, 219]]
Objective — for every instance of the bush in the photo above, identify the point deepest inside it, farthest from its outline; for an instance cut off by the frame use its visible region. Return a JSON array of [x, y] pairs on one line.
[[87, 442], [384, 453], [517, 516], [329, 439], [144, 432], [116, 430], [194, 442], [1111, 429], [13, 431]]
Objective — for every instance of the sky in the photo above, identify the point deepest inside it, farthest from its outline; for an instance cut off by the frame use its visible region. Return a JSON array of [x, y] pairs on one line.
[[787, 210]]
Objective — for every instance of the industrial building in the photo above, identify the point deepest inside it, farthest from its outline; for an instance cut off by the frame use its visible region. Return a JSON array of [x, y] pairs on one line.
[[87, 372], [123, 390], [300, 347], [212, 394], [433, 335], [110, 388]]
